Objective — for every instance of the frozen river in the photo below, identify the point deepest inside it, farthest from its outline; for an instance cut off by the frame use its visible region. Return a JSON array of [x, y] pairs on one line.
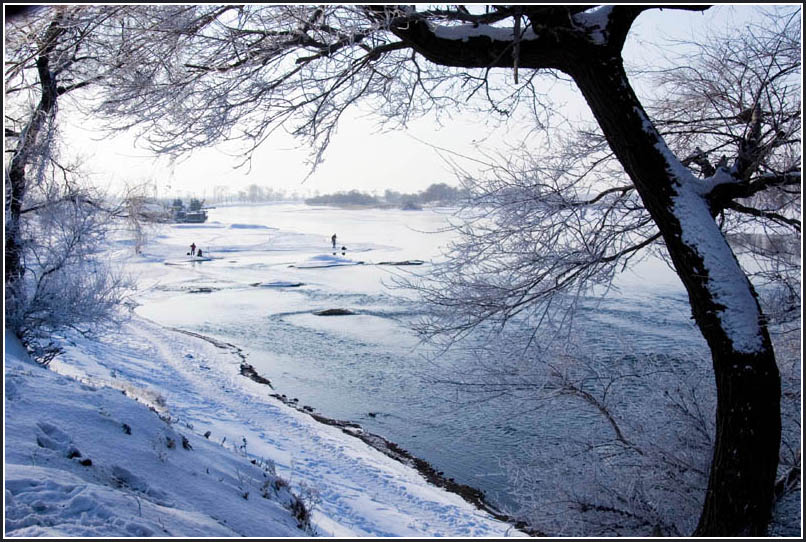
[[270, 273]]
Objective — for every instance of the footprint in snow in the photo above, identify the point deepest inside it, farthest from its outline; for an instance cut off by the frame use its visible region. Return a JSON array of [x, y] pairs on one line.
[[124, 478], [52, 438]]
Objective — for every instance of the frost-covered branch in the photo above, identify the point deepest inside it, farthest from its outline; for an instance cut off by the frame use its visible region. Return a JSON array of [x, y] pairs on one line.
[[733, 109], [66, 281], [533, 236], [56, 274]]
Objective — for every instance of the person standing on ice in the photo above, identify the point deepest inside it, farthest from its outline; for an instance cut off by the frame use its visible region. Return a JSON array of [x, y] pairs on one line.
[[193, 249], [334, 240]]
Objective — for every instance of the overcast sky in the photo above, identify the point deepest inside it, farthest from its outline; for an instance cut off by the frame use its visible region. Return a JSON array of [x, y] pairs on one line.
[[360, 157]]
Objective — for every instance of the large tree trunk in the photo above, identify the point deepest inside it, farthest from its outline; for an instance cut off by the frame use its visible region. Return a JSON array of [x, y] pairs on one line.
[[724, 304], [748, 420]]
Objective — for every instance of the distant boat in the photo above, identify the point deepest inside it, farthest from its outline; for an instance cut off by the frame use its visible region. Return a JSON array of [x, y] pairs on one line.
[[195, 217]]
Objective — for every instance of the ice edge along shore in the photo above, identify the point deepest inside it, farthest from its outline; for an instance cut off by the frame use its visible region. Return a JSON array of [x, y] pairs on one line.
[[391, 449]]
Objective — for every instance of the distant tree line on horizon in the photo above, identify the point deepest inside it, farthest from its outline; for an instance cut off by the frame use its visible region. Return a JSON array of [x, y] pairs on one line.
[[437, 193], [253, 193]]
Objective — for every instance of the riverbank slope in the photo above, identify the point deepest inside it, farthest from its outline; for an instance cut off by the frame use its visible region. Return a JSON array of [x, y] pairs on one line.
[[150, 432]]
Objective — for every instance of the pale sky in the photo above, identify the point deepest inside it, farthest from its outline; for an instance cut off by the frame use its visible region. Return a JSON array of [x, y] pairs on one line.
[[359, 156]]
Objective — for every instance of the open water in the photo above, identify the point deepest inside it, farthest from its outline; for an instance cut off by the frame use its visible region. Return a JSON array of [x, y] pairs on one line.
[[368, 367]]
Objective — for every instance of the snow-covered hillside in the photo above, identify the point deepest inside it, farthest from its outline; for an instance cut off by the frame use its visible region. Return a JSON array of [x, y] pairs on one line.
[[151, 432]]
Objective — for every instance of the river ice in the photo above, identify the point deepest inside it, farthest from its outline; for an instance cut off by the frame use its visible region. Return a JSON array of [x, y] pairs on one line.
[[368, 367]]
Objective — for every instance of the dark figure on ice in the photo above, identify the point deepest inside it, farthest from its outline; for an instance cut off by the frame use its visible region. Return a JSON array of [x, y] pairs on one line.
[[199, 254], [334, 240], [193, 249], [343, 251]]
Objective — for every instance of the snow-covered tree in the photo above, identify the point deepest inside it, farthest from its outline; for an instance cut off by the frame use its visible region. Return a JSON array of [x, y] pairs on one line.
[[543, 228], [142, 213], [240, 72], [734, 99], [67, 280], [55, 223]]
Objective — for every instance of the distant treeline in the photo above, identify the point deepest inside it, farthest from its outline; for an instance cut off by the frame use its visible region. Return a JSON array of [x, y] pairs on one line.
[[439, 193]]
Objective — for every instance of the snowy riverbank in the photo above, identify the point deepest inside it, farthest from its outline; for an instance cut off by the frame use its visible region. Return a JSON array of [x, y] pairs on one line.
[[151, 432], [197, 443]]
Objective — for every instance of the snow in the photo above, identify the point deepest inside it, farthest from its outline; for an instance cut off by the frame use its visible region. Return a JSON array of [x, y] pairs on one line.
[[464, 32], [125, 404], [138, 484], [467, 31], [595, 21], [124, 477], [165, 384], [727, 283]]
